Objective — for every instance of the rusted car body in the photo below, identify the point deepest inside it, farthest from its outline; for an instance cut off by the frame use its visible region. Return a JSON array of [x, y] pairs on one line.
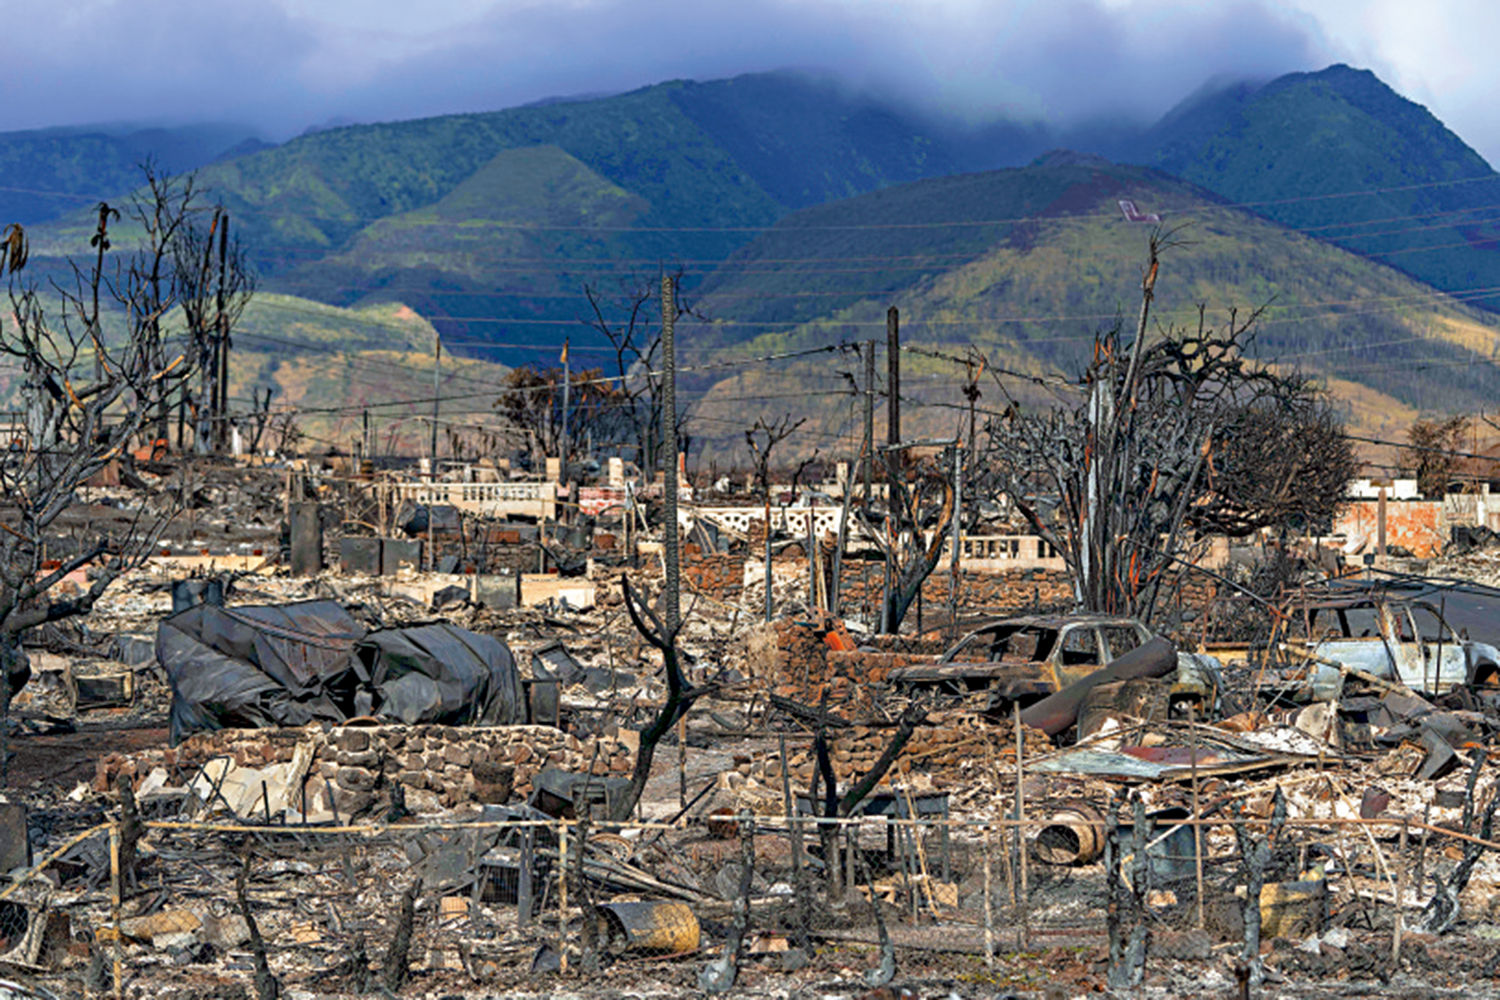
[[1024, 659], [1400, 641]]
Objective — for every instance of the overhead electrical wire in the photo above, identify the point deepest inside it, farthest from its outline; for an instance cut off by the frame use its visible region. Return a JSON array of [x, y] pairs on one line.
[[1295, 199]]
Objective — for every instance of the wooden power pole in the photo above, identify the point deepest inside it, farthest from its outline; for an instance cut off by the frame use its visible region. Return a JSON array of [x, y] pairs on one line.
[[221, 417], [669, 596]]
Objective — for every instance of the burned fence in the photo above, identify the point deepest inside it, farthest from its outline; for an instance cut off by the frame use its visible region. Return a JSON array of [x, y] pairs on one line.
[[1277, 875]]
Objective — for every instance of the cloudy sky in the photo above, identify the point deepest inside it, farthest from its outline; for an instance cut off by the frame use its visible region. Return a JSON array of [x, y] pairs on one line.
[[282, 65]]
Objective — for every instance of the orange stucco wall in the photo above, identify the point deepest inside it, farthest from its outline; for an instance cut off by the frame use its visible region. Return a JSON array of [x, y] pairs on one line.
[[1415, 525]]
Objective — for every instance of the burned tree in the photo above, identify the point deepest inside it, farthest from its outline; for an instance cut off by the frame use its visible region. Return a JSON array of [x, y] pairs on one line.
[[633, 330], [911, 533], [1159, 443], [89, 389], [1431, 457], [761, 439], [213, 283], [535, 403]]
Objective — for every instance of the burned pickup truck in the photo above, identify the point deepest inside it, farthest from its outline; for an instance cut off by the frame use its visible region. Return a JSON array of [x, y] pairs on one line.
[[1022, 660], [1402, 642]]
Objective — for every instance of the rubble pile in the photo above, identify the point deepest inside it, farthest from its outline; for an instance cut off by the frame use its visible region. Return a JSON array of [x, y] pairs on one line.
[[954, 748], [434, 767], [1314, 802]]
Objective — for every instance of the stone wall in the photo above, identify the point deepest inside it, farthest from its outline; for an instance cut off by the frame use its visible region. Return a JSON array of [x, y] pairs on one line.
[[794, 659], [437, 766], [717, 575], [1027, 591]]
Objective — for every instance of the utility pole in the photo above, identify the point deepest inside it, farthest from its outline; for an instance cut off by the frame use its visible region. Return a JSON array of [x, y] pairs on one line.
[[563, 437], [869, 456], [669, 440], [437, 367], [893, 375], [895, 459], [958, 508], [221, 424]]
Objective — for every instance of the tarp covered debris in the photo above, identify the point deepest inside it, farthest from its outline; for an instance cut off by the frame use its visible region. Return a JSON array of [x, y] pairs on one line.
[[288, 665]]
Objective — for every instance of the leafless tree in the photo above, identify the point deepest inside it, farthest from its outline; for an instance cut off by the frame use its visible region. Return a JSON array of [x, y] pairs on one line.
[[680, 694], [161, 208], [1159, 443], [86, 394], [762, 438], [912, 529], [630, 320]]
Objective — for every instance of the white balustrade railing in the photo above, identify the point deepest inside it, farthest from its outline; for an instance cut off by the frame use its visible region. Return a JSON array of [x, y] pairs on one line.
[[491, 499]]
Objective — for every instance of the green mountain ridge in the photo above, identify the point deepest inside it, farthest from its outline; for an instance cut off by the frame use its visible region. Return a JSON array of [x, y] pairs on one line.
[[1061, 261], [1339, 155], [799, 211], [712, 163], [49, 172]]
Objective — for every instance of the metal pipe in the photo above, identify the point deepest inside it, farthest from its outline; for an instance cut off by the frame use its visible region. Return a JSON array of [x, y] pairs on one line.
[[1072, 835], [1057, 712]]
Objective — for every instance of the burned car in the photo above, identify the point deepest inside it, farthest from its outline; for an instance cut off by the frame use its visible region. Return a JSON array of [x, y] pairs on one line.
[[1399, 641], [1025, 659]]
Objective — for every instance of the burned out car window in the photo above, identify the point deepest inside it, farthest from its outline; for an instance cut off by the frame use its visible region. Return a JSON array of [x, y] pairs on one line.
[[1360, 623], [969, 648], [1120, 640], [1023, 645], [1080, 646], [1430, 627]]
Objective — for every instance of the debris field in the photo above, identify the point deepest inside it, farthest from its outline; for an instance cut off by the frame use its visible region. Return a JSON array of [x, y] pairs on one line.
[[334, 740]]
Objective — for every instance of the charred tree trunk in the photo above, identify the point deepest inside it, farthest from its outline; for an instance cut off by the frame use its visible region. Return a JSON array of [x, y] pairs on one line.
[[396, 968], [680, 697]]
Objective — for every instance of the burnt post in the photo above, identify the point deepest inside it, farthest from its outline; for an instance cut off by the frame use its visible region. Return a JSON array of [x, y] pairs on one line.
[[893, 375], [1255, 853], [894, 459], [1380, 525], [307, 538], [669, 442]]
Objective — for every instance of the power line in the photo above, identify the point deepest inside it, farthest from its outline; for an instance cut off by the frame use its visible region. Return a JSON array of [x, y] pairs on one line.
[[1295, 199]]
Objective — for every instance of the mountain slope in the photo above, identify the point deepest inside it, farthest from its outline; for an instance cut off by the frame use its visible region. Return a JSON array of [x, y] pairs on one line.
[[472, 255], [1341, 156], [706, 166], [1054, 260], [330, 365], [492, 225], [52, 171]]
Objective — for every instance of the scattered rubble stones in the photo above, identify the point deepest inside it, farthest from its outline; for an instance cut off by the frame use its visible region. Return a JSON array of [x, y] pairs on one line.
[[438, 766], [947, 749]]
